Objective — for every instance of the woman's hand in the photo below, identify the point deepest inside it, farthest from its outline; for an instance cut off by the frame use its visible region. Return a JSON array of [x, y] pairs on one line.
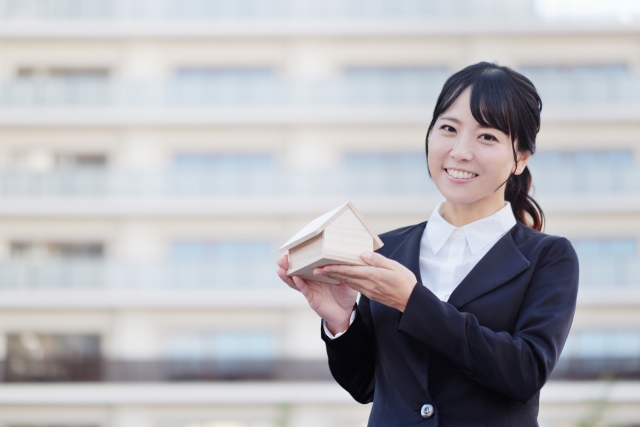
[[333, 303], [383, 280]]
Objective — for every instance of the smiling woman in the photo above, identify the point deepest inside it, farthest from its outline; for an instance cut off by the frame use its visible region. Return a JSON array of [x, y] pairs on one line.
[[462, 317]]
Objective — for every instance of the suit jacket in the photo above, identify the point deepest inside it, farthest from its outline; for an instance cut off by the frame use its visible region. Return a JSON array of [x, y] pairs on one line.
[[481, 358]]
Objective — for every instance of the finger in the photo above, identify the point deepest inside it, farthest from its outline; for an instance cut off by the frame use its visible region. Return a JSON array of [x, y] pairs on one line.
[[282, 273], [352, 271], [283, 262], [303, 287], [376, 260]]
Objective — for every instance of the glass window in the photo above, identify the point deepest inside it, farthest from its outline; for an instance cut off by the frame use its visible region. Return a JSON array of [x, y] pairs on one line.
[[52, 357], [223, 161], [205, 74], [64, 250], [222, 250], [392, 85], [599, 344], [222, 345], [576, 70], [582, 158], [597, 248], [394, 161]]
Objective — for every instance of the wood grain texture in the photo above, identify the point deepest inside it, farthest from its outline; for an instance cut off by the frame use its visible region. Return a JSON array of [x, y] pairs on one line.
[[347, 236], [306, 252]]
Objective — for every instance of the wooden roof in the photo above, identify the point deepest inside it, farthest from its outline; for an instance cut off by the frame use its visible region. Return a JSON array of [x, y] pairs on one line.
[[318, 225]]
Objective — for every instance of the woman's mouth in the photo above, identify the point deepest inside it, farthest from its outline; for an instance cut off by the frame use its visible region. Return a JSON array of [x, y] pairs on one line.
[[460, 175]]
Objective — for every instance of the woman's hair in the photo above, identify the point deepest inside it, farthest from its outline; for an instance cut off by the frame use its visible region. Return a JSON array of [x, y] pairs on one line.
[[503, 99]]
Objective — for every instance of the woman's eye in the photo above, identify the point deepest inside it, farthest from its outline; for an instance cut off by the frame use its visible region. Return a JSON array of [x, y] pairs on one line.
[[487, 137], [448, 128]]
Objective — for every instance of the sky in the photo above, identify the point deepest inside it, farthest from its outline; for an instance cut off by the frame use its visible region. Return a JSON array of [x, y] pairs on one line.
[[625, 10]]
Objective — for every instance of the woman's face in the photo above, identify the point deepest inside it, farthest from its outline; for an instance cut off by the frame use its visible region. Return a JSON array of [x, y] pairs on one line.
[[468, 161]]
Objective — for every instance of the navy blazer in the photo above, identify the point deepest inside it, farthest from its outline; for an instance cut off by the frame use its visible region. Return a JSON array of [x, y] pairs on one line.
[[481, 358]]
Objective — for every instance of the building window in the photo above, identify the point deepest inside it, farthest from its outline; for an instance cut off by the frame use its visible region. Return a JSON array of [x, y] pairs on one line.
[[223, 161], [608, 261], [52, 357], [216, 74], [584, 83], [56, 250], [223, 174], [584, 171], [222, 264], [222, 250], [386, 173], [599, 344], [243, 345], [222, 355], [224, 86], [392, 85]]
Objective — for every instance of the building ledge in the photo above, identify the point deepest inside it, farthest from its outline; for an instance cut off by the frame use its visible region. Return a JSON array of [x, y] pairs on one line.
[[122, 28], [278, 115], [278, 205], [555, 392]]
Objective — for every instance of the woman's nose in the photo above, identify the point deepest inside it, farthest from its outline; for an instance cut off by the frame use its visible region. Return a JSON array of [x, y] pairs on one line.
[[462, 149]]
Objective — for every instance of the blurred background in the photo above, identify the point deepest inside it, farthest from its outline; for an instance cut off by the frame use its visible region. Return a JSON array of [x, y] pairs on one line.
[[154, 154]]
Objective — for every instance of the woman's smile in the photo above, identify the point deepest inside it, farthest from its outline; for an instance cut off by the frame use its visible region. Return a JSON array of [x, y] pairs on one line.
[[459, 176]]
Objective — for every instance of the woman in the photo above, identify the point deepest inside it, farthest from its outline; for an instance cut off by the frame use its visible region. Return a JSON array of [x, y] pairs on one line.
[[463, 317]]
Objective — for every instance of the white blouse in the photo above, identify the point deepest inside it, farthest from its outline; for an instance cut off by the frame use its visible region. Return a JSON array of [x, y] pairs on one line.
[[448, 253]]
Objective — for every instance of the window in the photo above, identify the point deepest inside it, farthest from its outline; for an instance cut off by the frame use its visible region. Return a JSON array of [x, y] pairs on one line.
[[599, 344], [81, 161], [382, 173], [222, 345], [56, 250], [222, 250], [608, 261], [582, 158], [584, 83], [392, 85], [52, 357], [211, 74], [223, 161], [584, 171]]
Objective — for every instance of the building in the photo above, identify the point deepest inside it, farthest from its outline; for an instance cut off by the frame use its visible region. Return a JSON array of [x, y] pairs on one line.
[[155, 154]]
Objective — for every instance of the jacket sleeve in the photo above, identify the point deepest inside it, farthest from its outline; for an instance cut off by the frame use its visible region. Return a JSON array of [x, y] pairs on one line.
[[352, 355], [516, 364]]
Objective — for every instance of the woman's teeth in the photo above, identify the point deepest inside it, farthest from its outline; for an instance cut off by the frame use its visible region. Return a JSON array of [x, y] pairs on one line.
[[460, 174]]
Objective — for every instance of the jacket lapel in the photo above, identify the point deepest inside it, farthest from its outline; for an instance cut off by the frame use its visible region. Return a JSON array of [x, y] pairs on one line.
[[407, 253], [499, 265], [503, 262]]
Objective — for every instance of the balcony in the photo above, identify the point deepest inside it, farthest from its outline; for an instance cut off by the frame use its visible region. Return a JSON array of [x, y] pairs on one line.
[[411, 180], [109, 275], [252, 9], [100, 370], [408, 88], [372, 100], [250, 370]]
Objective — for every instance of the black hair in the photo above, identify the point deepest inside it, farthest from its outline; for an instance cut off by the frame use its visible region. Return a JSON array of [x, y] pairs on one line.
[[503, 99]]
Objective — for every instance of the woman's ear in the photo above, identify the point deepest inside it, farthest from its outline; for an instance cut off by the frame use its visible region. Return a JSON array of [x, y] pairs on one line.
[[523, 159]]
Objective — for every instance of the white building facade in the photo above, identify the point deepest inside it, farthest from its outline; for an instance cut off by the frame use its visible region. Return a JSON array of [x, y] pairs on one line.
[[154, 154]]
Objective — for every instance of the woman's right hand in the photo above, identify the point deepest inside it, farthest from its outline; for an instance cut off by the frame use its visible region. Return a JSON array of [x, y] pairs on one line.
[[333, 303]]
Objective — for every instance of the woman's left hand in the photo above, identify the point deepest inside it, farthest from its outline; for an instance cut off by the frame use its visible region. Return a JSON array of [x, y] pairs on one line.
[[383, 280]]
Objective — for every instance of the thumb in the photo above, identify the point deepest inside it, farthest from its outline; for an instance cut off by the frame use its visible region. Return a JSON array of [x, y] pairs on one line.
[[376, 260]]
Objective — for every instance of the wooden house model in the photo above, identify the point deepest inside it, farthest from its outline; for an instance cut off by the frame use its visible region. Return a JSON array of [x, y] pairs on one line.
[[337, 237]]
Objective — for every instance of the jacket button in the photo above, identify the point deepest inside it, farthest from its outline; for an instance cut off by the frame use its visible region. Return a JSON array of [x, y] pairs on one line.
[[427, 411]]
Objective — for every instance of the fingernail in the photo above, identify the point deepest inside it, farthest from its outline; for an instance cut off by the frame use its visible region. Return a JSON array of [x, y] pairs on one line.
[[318, 271], [367, 256]]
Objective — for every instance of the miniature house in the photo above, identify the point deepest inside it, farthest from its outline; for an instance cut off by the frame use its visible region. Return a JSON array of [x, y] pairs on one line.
[[337, 237]]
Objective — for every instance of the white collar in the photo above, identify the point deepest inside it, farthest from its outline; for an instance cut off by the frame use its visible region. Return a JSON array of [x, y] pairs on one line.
[[478, 233]]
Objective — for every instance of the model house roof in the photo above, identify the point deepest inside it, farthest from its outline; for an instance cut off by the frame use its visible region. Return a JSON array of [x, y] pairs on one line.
[[318, 225]]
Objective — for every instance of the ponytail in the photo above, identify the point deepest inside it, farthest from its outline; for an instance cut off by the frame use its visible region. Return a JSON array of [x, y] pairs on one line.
[[517, 193]]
